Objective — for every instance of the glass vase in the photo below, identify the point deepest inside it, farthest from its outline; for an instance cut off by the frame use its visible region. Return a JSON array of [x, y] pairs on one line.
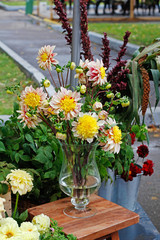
[[79, 178]]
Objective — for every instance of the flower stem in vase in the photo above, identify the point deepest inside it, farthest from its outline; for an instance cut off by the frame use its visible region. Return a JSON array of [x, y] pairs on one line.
[[79, 178]]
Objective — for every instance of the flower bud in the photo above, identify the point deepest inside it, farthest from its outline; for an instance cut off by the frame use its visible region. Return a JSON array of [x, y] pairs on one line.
[[45, 103], [28, 114], [61, 136], [46, 83], [82, 89], [125, 104], [118, 94], [9, 92], [108, 86], [79, 70], [18, 98], [110, 95], [97, 106], [103, 115], [72, 66], [58, 70]]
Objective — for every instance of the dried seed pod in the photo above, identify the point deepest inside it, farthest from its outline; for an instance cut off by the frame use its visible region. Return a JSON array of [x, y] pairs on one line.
[[146, 86]]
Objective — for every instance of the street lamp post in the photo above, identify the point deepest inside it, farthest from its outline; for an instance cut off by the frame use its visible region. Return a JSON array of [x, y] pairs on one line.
[[75, 51]]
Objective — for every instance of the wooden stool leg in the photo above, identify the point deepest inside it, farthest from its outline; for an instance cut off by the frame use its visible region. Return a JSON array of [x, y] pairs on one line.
[[115, 236]]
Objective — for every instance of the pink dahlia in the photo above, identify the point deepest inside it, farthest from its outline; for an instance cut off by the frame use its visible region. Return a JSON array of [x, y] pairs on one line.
[[67, 102], [46, 57], [96, 73]]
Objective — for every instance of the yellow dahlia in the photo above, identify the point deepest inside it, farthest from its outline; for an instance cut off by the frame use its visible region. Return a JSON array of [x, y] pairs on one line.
[[87, 126], [96, 73], [46, 57], [20, 181], [66, 101]]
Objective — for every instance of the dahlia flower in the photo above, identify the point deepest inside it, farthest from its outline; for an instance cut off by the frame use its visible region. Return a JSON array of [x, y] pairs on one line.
[[142, 151], [42, 222], [96, 73], [87, 126], [103, 115], [29, 121], [81, 77], [9, 230], [20, 181], [30, 231], [33, 98], [148, 168], [46, 57], [113, 137], [66, 101], [97, 106]]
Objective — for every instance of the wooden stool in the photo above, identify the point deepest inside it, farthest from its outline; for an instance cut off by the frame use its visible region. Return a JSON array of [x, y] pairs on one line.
[[109, 218]]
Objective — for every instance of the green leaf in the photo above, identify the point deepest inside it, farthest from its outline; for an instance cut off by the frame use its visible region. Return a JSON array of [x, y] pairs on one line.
[[25, 158], [2, 147], [17, 157], [3, 188], [16, 146], [29, 138], [156, 77], [41, 158], [23, 216], [50, 174], [54, 146]]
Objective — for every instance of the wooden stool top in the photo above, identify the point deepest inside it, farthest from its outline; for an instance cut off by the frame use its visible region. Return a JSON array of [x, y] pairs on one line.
[[109, 218]]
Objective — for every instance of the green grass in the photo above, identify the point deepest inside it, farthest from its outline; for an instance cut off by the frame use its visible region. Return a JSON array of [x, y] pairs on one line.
[[10, 76], [141, 33], [17, 3]]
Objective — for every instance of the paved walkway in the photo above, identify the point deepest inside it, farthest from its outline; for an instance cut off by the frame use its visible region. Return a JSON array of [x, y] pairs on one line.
[[25, 36]]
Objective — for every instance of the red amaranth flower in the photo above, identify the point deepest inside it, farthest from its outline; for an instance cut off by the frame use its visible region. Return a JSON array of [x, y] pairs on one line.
[[133, 135], [142, 151], [148, 168]]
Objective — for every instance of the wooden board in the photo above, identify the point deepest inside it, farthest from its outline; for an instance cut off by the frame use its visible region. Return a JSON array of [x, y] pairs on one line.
[[109, 218]]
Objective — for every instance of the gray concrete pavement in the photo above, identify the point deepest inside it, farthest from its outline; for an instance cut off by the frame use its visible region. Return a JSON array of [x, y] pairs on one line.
[[25, 36]]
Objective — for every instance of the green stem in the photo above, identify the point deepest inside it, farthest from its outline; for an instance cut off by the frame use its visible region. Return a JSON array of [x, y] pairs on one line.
[[15, 209]]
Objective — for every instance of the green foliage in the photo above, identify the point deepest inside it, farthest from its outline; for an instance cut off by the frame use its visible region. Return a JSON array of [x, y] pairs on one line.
[[57, 233], [35, 150], [5, 169]]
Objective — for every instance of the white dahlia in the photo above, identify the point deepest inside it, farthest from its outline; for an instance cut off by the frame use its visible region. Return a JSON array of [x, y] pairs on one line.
[[42, 222], [66, 101], [113, 140], [96, 73], [46, 57], [20, 181], [9, 230]]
